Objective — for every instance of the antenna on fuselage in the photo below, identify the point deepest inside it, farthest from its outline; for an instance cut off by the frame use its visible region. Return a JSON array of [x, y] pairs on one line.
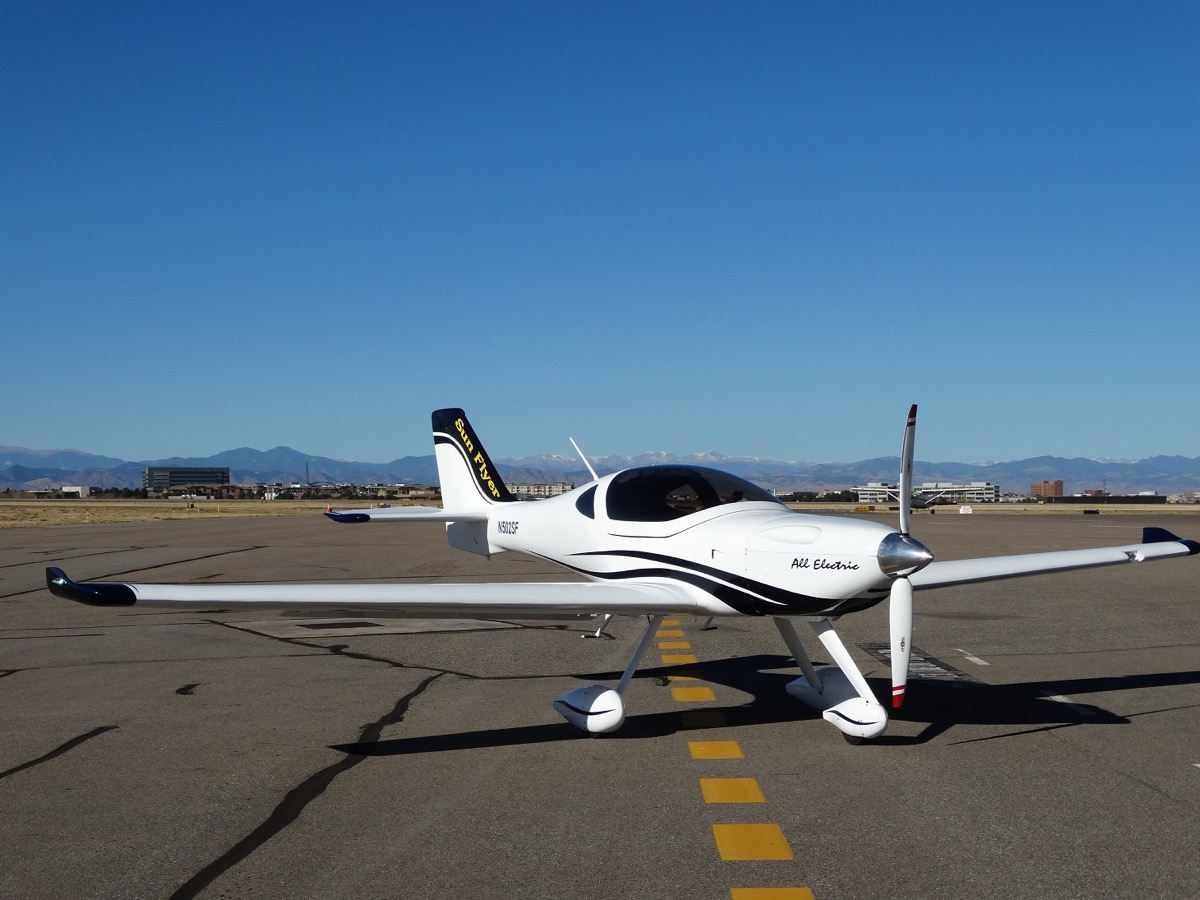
[[595, 477]]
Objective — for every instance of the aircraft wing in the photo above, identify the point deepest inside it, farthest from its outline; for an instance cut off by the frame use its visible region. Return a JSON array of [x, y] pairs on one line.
[[488, 599], [1157, 543]]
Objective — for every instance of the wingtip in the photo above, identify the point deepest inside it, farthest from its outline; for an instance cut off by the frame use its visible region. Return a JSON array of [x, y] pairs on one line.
[[347, 517], [1154, 535], [91, 594], [56, 578]]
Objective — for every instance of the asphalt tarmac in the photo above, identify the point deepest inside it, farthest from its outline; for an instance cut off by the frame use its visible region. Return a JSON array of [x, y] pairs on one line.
[[1049, 748]]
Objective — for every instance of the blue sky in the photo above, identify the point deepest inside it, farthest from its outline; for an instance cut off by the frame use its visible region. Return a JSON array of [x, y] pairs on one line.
[[762, 229]]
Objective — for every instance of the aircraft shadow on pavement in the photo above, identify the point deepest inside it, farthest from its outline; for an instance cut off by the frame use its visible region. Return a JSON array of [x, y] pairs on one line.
[[940, 704]]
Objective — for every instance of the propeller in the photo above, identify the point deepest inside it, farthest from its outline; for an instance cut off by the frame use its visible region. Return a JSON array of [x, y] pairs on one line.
[[900, 618], [904, 555]]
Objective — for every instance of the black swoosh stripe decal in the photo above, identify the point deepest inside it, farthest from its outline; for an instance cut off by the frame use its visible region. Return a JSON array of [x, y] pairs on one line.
[[746, 595], [790, 600]]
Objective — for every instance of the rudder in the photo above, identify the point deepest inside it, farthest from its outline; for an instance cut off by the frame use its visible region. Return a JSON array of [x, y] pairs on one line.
[[469, 480]]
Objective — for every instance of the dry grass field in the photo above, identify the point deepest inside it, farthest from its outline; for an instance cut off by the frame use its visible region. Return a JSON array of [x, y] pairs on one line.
[[32, 513], [28, 513]]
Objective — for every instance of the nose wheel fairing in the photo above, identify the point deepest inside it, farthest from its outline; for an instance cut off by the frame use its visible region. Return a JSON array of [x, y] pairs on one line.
[[840, 693], [840, 704]]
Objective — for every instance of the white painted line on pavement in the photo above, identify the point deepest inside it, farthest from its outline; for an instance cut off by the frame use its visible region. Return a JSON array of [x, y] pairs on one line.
[[974, 659]]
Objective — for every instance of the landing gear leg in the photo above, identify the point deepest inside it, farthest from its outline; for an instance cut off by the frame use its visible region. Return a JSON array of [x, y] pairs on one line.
[[788, 633], [597, 709], [608, 617]]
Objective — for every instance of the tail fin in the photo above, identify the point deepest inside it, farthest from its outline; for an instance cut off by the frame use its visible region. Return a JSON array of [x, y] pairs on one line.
[[470, 483]]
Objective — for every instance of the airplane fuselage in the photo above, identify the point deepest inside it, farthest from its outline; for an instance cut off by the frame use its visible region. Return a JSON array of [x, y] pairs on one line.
[[753, 557]]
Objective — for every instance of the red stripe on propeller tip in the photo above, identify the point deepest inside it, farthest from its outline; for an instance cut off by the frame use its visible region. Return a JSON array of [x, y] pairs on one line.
[[898, 696]]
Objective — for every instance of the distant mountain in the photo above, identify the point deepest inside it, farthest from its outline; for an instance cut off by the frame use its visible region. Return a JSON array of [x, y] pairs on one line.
[[1164, 474], [73, 460], [283, 464], [22, 469]]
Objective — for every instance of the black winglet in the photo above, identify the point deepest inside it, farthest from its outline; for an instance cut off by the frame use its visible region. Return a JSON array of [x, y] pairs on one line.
[[1153, 535], [348, 516], [92, 593]]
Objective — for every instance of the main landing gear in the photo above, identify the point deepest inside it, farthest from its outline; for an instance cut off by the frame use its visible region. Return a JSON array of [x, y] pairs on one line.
[[595, 708], [839, 692]]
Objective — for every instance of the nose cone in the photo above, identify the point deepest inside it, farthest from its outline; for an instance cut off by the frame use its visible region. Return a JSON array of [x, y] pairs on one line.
[[902, 554]]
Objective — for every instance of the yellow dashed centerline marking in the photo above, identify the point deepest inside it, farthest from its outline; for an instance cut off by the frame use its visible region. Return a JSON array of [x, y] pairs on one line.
[[669, 632], [692, 694], [715, 750], [731, 790], [751, 842], [675, 659]]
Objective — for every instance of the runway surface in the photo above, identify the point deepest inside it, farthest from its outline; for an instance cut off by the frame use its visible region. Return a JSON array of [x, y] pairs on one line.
[[1049, 748]]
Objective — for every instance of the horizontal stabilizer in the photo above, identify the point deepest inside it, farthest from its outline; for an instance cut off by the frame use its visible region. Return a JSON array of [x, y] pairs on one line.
[[404, 514]]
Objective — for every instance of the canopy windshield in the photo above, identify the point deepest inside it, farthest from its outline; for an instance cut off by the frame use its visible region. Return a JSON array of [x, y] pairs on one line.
[[662, 493]]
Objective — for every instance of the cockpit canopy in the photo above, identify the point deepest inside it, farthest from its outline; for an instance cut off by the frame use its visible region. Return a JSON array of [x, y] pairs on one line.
[[662, 493]]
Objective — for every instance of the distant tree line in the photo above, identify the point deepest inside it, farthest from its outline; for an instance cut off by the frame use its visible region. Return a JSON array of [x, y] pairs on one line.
[[119, 493]]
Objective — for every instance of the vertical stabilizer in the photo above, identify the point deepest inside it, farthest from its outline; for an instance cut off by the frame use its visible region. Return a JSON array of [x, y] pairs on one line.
[[470, 482]]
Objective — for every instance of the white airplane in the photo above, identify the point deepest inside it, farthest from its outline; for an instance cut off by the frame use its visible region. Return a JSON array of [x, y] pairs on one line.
[[659, 540]]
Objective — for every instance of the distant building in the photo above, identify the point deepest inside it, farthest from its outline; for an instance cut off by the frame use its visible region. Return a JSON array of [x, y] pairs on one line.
[[1047, 489], [211, 491], [539, 491], [877, 492], [975, 492], [159, 479]]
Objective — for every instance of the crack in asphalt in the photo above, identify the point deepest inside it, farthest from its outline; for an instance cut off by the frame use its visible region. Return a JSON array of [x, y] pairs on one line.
[[175, 562], [116, 576], [294, 803], [297, 799], [55, 553], [43, 637]]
